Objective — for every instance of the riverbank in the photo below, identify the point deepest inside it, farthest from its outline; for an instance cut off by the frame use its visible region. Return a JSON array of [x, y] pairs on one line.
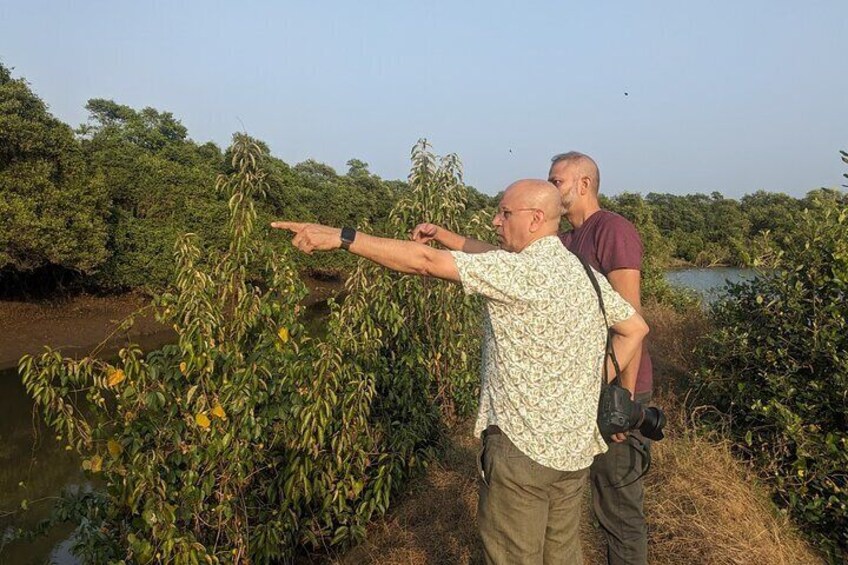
[[77, 324]]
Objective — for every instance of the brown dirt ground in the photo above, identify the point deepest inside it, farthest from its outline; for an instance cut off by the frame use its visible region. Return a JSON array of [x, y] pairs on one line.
[[75, 325], [78, 324]]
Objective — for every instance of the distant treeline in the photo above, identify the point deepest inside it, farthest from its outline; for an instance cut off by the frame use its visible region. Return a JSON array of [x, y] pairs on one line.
[[101, 206]]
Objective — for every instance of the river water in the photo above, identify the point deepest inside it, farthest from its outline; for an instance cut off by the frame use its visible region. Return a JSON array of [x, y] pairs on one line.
[[30, 454], [710, 283]]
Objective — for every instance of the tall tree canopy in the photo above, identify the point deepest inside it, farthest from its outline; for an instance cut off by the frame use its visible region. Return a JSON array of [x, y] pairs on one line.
[[50, 214], [159, 184]]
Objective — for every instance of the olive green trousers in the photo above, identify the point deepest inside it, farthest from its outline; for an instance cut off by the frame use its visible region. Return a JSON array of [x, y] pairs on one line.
[[528, 513]]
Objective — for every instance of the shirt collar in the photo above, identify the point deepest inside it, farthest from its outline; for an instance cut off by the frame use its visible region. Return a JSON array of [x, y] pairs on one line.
[[542, 244]]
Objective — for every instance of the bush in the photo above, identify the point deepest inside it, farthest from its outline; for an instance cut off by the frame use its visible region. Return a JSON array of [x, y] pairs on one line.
[[247, 441], [776, 368]]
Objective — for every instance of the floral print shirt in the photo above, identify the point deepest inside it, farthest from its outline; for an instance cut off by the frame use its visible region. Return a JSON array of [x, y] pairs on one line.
[[543, 349]]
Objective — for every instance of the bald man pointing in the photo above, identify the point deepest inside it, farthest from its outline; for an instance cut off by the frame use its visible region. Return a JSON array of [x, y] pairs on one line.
[[538, 405]]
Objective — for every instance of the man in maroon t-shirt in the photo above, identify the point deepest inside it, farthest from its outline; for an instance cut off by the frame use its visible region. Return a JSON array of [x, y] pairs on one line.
[[613, 247]]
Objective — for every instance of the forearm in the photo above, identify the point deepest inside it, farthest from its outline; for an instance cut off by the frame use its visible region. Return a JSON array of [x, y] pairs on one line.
[[626, 282], [627, 337], [626, 348], [405, 256], [630, 373], [457, 242]]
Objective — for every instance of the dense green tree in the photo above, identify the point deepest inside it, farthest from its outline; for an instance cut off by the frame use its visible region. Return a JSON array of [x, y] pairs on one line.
[[815, 197], [726, 231], [110, 202], [705, 229], [156, 178], [51, 213], [773, 211]]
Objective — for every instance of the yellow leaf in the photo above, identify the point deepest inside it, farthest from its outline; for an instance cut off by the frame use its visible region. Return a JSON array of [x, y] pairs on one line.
[[116, 377], [202, 420], [96, 464], [218, 412], [183, 367], [283, 334], [114, 448]]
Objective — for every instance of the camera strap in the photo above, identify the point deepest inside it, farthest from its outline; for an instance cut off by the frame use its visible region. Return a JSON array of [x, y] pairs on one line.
[[642, 448], [609, 350]]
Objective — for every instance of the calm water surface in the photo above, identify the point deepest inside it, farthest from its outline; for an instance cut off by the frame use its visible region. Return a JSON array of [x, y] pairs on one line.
[[708, 283], [29, 453]]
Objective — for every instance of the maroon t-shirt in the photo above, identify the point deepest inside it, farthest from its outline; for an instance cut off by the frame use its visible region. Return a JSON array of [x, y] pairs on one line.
[[608, 242]]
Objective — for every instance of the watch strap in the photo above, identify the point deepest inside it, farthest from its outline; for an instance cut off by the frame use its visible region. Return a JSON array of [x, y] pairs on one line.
[[348, 235]]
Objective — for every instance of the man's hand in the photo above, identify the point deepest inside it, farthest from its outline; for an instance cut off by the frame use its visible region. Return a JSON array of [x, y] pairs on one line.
[[619, 438], [312, 237], [424, 233]]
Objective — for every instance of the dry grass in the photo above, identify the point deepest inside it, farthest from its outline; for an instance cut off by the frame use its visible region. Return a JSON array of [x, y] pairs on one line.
[[437, 522], [703, 506]]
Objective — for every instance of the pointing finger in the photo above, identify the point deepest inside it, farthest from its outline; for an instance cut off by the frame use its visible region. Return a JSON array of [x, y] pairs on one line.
[[295, 227]]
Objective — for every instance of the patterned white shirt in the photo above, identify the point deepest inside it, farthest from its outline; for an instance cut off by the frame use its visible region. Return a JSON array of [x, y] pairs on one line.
[[543, 349]]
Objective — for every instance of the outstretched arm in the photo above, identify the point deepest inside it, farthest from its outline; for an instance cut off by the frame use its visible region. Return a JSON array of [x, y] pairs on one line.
[[425, 233], [401, 256]]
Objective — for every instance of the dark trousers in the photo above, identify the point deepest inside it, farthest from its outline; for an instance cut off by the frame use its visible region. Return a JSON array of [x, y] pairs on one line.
[[528, 513], [617, 508]]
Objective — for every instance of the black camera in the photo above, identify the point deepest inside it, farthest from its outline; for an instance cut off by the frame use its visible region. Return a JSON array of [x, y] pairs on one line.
[[618, 413]]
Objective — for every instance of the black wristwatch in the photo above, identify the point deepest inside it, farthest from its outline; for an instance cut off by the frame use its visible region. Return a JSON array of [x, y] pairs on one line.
[[348, 235]]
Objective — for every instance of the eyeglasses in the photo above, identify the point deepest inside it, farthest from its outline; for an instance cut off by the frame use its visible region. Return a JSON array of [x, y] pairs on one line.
[[506, 214]]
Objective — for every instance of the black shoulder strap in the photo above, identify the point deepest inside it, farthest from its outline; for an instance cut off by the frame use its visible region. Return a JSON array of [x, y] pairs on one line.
[[610, 352]]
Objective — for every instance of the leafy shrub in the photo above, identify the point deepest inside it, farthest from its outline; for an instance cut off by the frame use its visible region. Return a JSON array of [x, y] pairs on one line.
[[776, 367], [246, 439], [422, 334]]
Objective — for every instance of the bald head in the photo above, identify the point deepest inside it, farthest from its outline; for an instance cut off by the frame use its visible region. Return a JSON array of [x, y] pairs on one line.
[[537, 193], [582, 166], [529, 210]]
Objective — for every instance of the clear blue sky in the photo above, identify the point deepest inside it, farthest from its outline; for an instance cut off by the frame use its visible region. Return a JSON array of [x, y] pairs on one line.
[[727, 96]]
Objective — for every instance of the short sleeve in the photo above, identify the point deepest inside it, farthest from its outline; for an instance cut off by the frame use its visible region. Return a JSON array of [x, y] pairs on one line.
[[497, 275], [618, 309], [618, 245]]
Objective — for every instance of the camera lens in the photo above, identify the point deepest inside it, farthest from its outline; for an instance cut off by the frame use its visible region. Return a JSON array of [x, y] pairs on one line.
[[653, 422]]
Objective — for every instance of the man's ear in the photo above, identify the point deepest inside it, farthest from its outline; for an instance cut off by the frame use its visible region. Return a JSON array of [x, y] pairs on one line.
[[585, 184], [538, 221]]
